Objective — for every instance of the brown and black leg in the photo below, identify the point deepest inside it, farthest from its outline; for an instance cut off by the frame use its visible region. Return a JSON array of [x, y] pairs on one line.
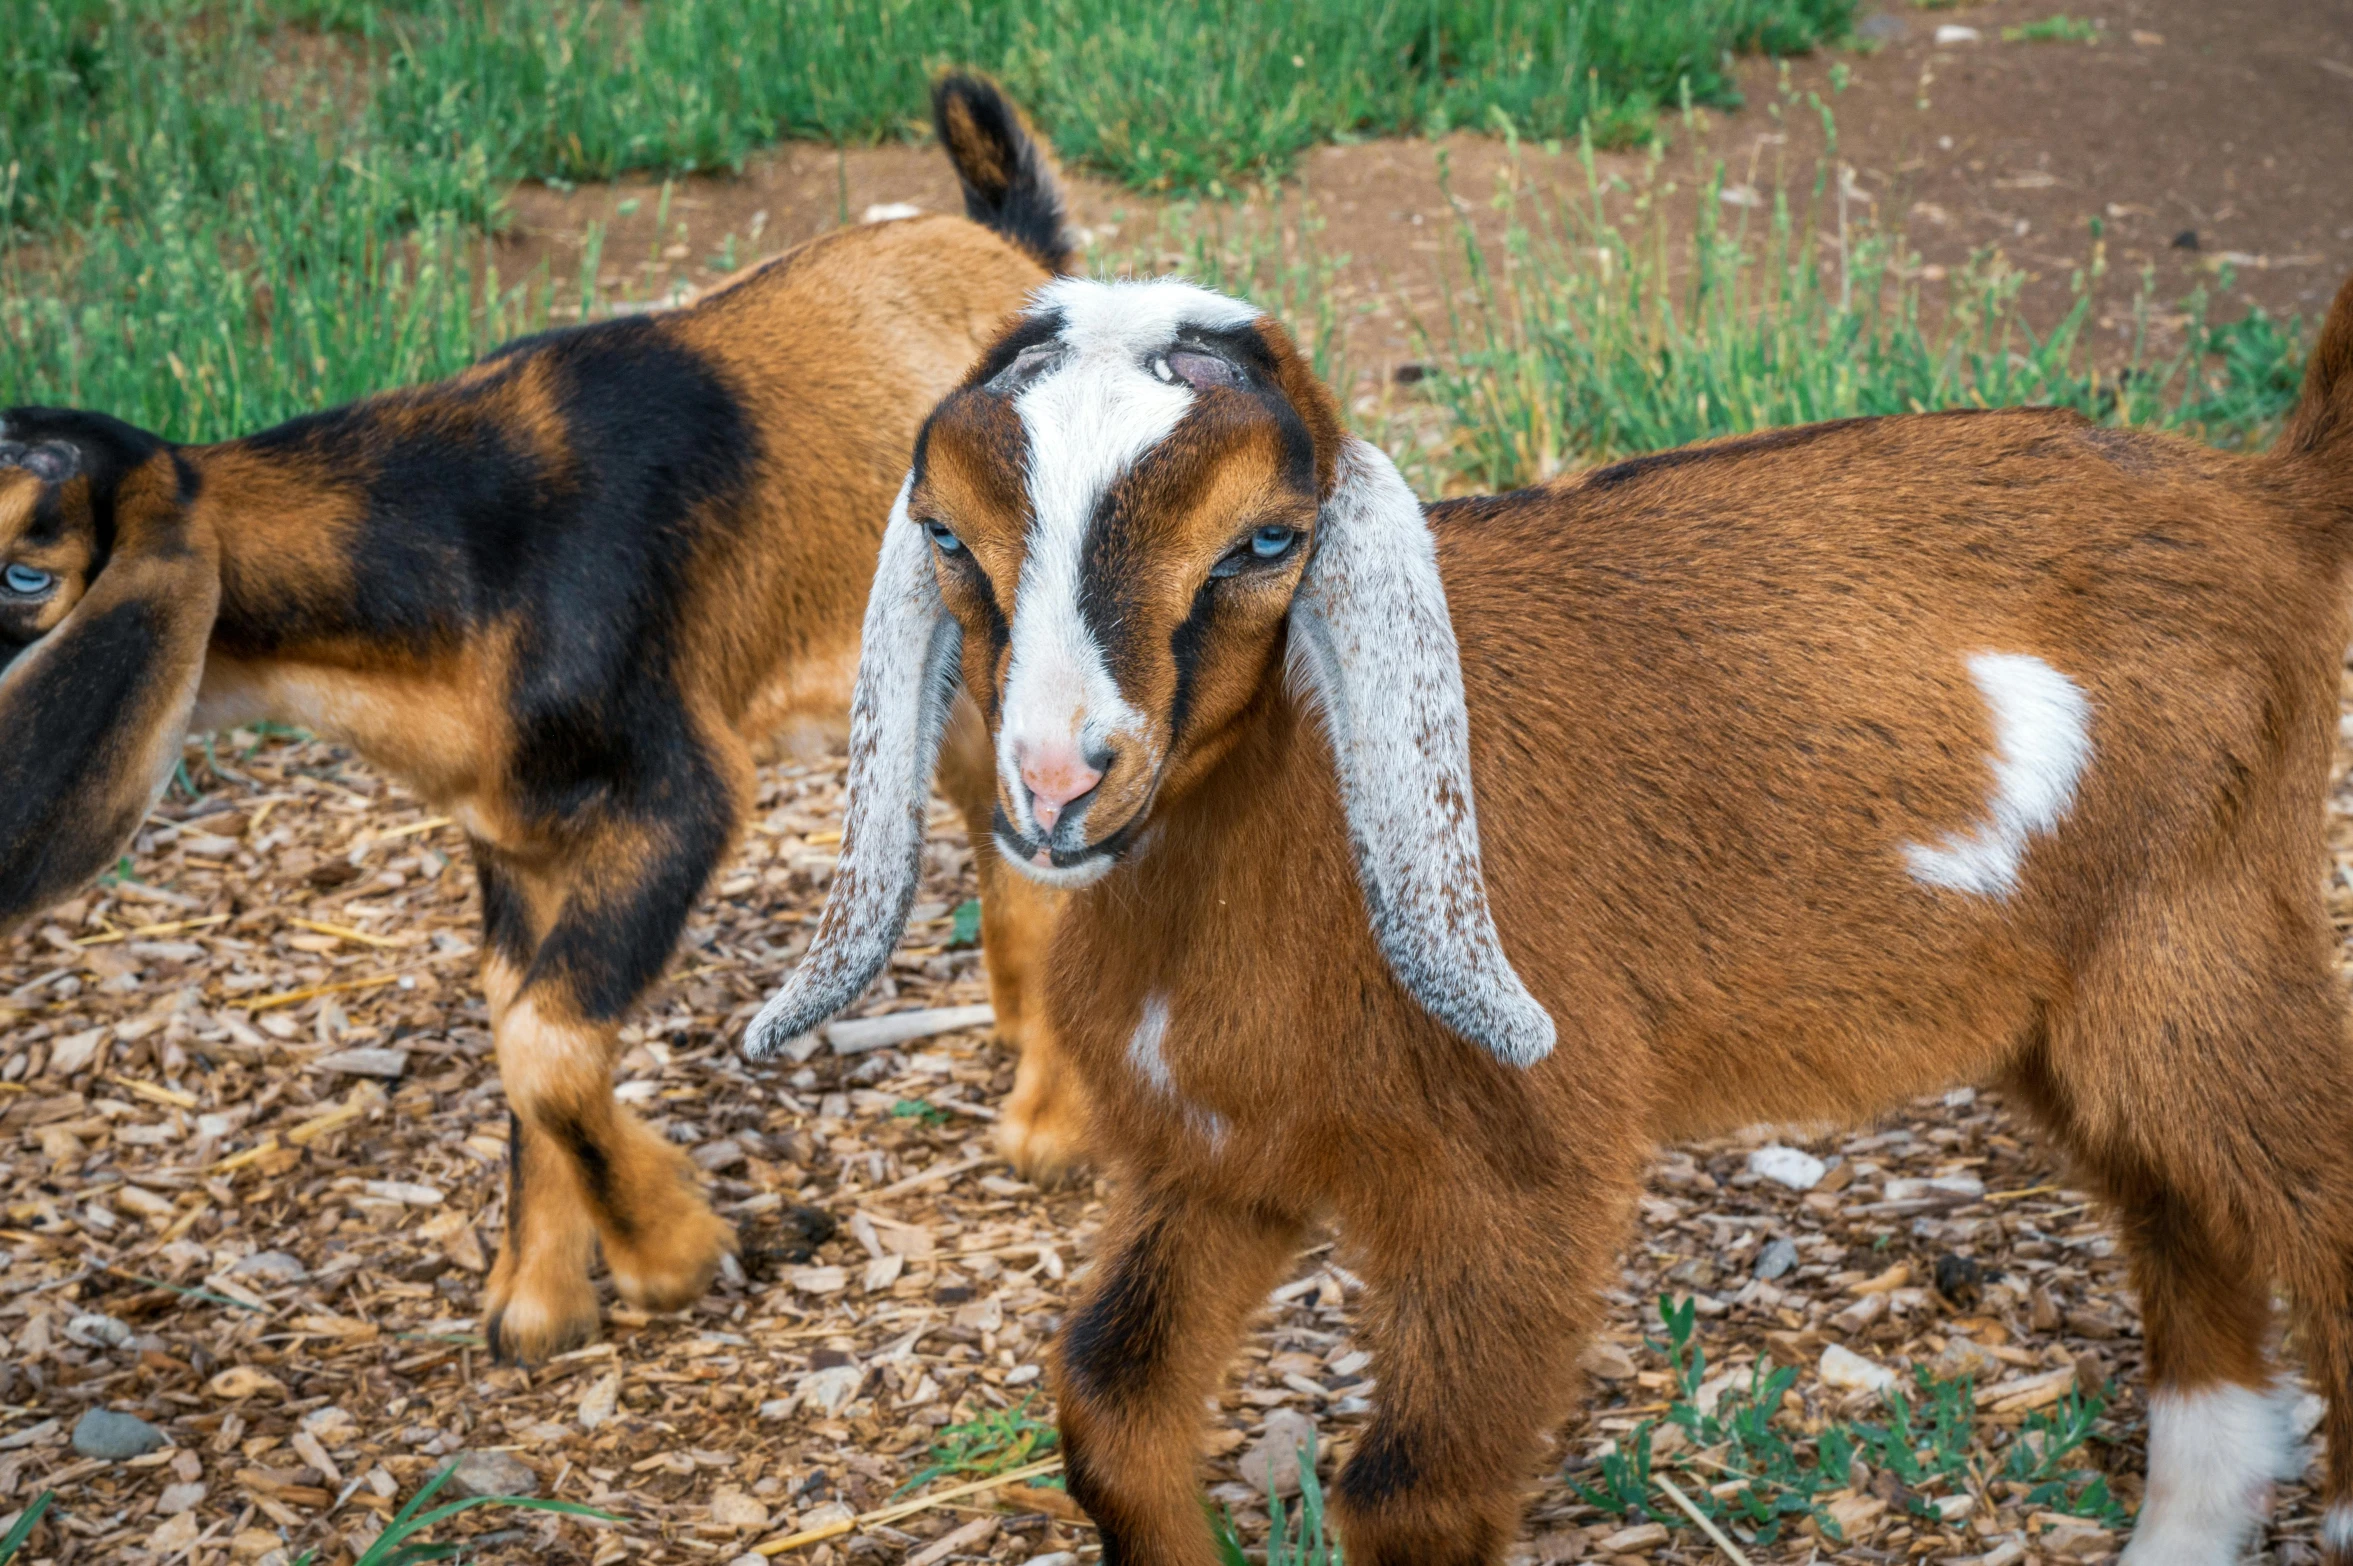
[[1479, 1293], [606, 911], [1177, 1279], [1042, 1126]]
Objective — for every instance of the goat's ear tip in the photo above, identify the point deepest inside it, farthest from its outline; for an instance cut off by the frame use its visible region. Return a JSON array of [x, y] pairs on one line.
[[1523, 1037]]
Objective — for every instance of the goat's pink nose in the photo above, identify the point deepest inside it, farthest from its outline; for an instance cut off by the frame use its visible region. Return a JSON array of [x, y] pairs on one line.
[[1055, 775]]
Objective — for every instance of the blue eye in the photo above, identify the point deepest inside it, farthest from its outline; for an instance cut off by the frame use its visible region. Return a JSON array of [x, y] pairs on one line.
[[1269, 542], [947, 542], [25, 581]]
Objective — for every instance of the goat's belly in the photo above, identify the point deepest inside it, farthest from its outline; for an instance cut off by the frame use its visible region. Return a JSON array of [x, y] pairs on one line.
[[421, 729]]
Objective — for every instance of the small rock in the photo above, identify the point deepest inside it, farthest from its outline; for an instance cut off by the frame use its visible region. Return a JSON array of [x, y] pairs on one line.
[[1955, 33], [1965, 1357], [829, 1390], [271, 1267], [1272, 1465], [105, 1434], [2187, 239], [1633, 1541], [386, 1063], [95, 1331], [1842, 1368], [732, 1508], [1776, 1259], [1789, 1166], [490, 1473]]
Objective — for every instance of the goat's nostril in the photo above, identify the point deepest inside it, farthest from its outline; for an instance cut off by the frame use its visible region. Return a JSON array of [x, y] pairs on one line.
[[1054, 780]]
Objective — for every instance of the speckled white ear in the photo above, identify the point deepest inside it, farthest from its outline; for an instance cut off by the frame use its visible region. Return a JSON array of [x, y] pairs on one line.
[[907, 678], [1372, 642]]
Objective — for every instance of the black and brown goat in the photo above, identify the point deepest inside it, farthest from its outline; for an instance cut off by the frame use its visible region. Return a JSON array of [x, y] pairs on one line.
[[562, 596], [1814, 770]]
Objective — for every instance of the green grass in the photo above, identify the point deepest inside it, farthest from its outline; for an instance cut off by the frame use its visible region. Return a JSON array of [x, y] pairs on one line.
[[401, 1544], [1189, 97], [1625, 323], [981, 1448], [2054, 29], [26, 1522]]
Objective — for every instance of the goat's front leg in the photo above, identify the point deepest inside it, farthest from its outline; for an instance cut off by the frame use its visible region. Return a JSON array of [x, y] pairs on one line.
[[1479, 1296], [1177, 1279], [582, 1168]]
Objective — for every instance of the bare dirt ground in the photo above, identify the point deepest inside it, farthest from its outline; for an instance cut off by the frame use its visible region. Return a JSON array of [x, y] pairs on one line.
[[251, 1141]]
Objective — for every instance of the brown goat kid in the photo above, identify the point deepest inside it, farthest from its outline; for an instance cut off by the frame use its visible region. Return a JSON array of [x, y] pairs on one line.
[[562, 596], [1814, 770]]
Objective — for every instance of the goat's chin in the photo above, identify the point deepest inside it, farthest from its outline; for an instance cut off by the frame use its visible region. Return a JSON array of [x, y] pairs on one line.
[[1086, 872]]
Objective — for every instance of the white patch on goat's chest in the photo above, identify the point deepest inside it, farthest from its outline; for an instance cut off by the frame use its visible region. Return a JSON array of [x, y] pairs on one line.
[[2042, 743], [1146, 1053]]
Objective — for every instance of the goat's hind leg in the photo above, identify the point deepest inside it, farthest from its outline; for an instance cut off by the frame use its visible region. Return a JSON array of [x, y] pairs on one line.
[[2214, 1120]]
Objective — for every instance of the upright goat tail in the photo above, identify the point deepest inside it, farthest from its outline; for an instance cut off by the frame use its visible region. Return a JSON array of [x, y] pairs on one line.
[[1009, 180], [2319, 436]]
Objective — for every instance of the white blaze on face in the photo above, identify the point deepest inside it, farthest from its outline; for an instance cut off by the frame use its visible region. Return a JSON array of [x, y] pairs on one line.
[[2213, 1455], [1088, 419], [2042, 742]]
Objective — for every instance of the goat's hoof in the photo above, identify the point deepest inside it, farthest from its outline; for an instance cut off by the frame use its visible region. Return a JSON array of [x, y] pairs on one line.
[[1043, 1150], [526, 1325], [670, 1264]]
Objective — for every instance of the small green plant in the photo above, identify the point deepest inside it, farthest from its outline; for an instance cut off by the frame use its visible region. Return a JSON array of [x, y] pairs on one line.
[[2054, 29], [989, 1445], [919, 1109], [398, 1545], [1299, 1539], [964, 926], [26, 1522]]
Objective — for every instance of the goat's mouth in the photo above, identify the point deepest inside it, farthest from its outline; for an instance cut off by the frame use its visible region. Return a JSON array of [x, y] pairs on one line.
[[1076, 866]]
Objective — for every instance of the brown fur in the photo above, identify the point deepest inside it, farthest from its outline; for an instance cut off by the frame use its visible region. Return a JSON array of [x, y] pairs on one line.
[[1712, 695]]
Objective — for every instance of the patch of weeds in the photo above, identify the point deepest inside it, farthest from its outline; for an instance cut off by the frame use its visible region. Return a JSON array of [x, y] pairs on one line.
[[964, 926], [26, 1522], [399, 1545], [1928, 1441], [989, 1445], [1293, 1539], [1605, 329], [919, 1109], [2061, 28]]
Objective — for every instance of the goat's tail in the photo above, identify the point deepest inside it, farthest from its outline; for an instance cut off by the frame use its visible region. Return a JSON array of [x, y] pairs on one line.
[[2319, 436], [1009, 180]]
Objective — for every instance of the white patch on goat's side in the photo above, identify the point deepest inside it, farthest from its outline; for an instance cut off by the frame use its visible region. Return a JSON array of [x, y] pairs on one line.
[[1143, 1045], [2213, 1454], [1089, 419], [2042, 742], [1145, 1054], [1373, 648], [906, 681]]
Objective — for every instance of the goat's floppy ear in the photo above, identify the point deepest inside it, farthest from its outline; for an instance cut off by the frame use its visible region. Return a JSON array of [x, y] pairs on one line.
[[907, 679], [93, 714], [1373, 643]]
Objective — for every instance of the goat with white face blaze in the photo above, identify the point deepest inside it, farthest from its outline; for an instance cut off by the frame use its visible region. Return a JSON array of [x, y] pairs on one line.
[[563, 596], [1813, 771]]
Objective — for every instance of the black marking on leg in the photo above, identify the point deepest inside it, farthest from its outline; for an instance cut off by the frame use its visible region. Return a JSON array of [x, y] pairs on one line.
[[596, 1172], [1114, 1345], [506, 919], [1094, 1498], [515, 1181], [1386, 1465]]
